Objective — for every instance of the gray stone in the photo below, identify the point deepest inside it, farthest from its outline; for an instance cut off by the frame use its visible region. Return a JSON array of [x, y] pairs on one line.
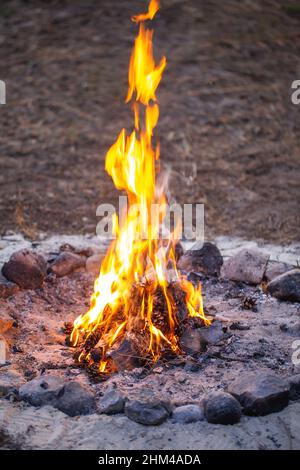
[[191, 365], [222, 408], [7, 288], [71, 398], [112, 402], [286, 286], [179, 251], [276, 268], [10, 381], [74, 399], [188, 414], [196, 340], [93, 264], [42, 390], [294, 383], [247, 266], [205, 259], [192, 341], [126, 357], [149, 414], [26, 268], [213, 333], [67, 262], [292, 329], [260, 393]]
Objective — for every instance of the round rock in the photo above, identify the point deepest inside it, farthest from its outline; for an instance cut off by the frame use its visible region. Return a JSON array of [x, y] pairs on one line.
[[275, 269], [10, 381], [74, 399], [93, 264], [260, 393], [66, 262], [26, 268], [188, 414], [71, 397], [286, 286], [204, 258], [42, 390], [149, 414], [247, 266], [222, 408], [294, 383], [112, 402]]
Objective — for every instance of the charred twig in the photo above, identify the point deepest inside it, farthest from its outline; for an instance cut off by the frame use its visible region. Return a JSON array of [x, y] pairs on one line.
[[227, 358]]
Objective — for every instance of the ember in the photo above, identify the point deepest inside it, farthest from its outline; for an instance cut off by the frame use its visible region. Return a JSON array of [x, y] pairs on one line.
[[140, 300]]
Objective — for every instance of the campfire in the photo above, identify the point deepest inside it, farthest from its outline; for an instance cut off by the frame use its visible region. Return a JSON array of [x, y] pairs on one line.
[[141, 303], [151, 340]]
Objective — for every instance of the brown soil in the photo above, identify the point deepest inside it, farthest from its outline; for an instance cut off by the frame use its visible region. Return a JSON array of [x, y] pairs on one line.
[[225, 106]]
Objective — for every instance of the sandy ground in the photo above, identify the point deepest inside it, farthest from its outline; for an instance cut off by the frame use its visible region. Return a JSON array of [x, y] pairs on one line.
[[227, 245], [39, 343], [47, 428], [228, 129]]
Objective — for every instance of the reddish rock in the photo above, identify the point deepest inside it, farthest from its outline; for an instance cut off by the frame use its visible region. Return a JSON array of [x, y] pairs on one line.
[[66, 262], [247, 266], [26, 268], [93, 264]]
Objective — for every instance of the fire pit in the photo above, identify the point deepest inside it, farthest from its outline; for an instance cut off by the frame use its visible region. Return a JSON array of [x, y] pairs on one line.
[[245, 352]]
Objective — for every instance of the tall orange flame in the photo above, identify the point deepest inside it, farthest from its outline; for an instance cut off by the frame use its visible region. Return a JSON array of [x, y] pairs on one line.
[[136, 252], [152, 10]]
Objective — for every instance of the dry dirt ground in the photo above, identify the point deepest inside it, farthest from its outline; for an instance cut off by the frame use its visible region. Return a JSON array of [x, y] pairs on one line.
[[228, 128]]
